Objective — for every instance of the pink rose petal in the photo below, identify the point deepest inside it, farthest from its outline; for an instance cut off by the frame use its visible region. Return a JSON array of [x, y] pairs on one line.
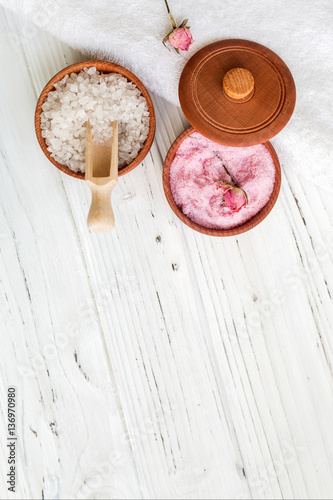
[[181, 38], [235, 199]]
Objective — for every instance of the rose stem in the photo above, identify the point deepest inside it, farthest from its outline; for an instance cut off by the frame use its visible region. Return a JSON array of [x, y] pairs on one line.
[[225, 168], [167, 6], [172, 20]]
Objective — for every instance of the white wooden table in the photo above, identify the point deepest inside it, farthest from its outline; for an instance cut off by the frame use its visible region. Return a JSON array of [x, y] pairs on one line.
[[153, 361]]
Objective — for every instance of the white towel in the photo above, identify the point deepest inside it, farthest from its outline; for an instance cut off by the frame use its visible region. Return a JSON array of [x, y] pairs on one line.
[[131, 33]]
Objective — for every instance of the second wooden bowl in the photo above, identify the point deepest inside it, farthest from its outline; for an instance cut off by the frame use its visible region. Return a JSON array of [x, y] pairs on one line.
[[254, 221], [103, 67]]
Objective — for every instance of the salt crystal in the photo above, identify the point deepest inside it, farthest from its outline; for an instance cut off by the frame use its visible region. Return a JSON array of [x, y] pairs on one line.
[[64, 135], [55, 143], [81, 114]]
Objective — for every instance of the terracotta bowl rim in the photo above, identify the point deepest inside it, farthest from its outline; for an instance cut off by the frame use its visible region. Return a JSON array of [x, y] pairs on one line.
[[246, 226], [108, 67]]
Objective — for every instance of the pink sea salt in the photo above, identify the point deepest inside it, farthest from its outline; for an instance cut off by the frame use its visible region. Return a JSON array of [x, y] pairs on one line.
[[197, 168]]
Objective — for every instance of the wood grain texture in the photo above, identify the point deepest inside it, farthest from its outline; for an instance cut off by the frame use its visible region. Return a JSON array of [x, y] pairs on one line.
[[243, 228], [154, 361], [103, 67], [218, 117]]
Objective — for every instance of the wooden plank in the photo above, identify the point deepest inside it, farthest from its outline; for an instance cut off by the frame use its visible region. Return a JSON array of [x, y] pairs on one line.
[[70, 427]]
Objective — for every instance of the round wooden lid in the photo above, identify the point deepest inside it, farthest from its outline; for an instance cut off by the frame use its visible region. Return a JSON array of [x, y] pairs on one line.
[[235, 107]]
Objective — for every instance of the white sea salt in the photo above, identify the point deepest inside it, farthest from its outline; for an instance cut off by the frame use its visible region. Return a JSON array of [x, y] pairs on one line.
[[101, 98]]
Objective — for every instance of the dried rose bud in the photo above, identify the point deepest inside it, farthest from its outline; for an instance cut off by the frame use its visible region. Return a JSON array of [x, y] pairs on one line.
[[181, 38], [235, 198]]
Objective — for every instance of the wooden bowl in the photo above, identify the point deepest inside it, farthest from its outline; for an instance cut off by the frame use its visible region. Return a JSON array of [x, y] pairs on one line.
[[254, 221], [103, 67]]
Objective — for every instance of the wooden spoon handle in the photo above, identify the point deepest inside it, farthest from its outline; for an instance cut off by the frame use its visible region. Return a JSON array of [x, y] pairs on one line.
[[101, 216]]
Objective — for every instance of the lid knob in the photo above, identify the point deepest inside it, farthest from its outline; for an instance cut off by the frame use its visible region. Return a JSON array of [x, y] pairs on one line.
[[238, 85]]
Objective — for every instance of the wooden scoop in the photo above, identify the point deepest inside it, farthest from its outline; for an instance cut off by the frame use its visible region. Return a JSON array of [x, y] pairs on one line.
[[101, 176]]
